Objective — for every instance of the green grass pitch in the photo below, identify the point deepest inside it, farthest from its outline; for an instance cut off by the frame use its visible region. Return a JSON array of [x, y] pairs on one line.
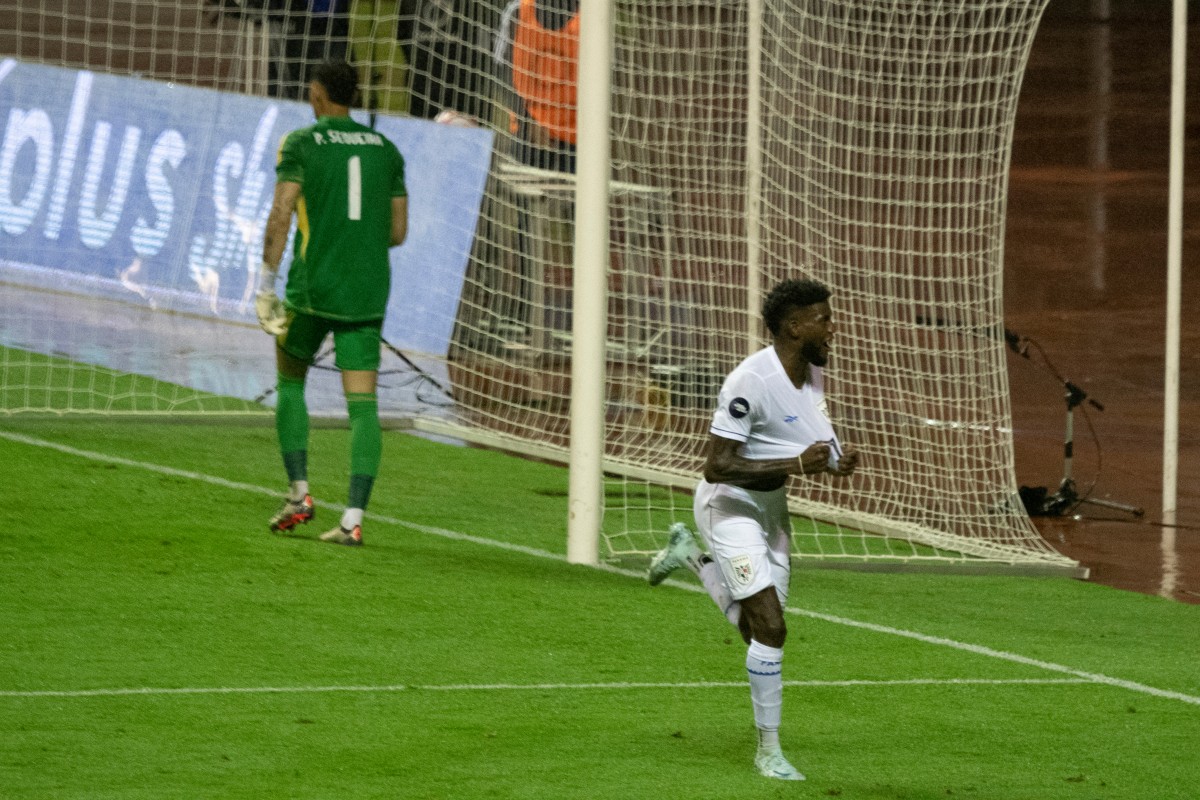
[[158, 642]]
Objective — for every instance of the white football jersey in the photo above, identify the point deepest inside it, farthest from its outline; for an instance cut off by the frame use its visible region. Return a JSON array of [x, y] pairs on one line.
[[759, 406]]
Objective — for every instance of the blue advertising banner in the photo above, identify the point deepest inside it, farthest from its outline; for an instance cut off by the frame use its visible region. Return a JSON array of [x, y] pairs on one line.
[[158, 194]]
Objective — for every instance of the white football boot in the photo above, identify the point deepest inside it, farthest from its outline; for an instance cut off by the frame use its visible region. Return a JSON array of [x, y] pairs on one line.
[[681, 549]]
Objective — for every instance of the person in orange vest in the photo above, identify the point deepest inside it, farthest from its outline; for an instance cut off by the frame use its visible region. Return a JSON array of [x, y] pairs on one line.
[[539, 45]]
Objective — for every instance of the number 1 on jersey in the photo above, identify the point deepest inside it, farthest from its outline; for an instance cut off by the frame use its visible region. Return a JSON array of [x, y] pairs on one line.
[[354, 200]]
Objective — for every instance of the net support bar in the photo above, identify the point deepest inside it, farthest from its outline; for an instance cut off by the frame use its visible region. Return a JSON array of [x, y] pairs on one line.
[[1174, 262]]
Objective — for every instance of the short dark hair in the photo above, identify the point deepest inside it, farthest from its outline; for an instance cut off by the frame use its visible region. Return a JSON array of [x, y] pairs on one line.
[[340, 81], [791, 294]]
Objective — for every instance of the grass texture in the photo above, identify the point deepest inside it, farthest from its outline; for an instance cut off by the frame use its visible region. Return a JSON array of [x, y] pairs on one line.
[[159, 643]]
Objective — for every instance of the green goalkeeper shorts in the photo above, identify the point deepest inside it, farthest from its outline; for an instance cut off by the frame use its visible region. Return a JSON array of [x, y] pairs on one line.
[[355, 344]]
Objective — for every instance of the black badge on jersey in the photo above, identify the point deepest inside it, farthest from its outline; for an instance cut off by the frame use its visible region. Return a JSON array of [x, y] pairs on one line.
[[739, 407]]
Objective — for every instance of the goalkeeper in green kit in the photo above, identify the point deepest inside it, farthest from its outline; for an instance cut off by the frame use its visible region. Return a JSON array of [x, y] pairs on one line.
[[345, 184]]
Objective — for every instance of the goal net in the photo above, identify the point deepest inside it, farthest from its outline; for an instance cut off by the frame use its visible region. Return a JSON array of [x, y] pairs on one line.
[[863, 144]]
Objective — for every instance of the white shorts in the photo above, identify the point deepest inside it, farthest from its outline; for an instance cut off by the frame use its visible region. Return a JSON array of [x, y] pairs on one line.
[[749, 535]]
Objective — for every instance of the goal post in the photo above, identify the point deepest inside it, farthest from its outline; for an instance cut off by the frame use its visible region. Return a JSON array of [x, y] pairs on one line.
[[585, 506], [864, 144]]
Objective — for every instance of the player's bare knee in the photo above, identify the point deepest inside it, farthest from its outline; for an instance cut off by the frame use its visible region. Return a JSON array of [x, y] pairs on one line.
[[771, 631], [773, 634]]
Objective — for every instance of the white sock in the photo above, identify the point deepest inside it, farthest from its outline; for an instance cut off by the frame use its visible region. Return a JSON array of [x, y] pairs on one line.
[[710, 576], [297, 490], [764, 666], [768, 739], [351, 517]]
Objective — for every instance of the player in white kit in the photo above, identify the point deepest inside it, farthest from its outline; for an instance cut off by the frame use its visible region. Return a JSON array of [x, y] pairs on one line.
[[770, 423]]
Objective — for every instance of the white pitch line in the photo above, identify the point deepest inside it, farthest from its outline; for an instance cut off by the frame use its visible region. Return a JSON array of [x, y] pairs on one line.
[[1093, 677], [528, 687], [1003, 655]]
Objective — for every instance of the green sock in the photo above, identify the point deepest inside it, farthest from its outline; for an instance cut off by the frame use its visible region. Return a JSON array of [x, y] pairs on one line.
[[366, 446], [291, 425], [360, 491]]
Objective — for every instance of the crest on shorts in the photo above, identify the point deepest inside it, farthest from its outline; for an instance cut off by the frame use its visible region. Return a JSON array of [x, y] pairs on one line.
[[742, 570], [739, 407]]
